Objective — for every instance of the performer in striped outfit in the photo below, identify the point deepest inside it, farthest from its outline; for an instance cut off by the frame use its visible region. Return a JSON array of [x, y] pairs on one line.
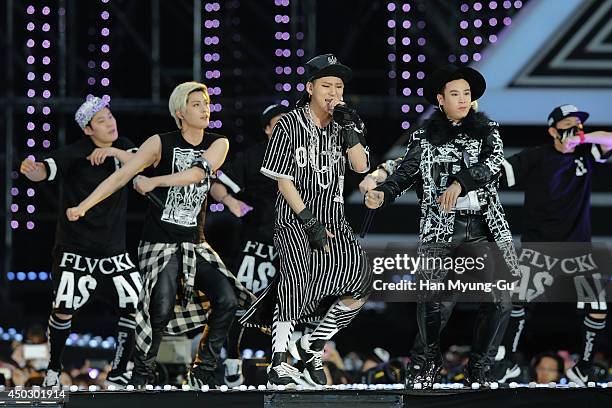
[[183, 277], [323, 271], [89, 256], [249, 195]]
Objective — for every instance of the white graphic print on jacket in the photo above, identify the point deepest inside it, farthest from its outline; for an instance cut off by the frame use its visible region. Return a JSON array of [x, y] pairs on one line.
[[183, 202]]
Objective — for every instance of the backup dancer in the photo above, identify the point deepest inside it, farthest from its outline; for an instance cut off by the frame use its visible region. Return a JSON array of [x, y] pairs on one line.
[[184, 279], [557, 182], [89, 257], [323, 272]]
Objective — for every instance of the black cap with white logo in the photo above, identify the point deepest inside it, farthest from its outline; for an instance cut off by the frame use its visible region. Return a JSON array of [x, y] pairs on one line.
[[565, 111]]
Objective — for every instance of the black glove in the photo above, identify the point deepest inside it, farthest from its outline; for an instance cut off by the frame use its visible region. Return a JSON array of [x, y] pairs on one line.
[[317, 236], [345, 116], [353, 130]]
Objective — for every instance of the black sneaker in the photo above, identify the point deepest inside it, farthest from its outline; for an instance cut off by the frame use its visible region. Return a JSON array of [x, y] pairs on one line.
[[198, 376], [424, 373], [581, 374], [312, 357], [119, 380], [282, 374], [505, 370]]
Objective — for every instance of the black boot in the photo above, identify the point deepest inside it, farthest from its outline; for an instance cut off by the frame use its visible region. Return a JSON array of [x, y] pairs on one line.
[[424, 373], [199, 376], [475, 374]]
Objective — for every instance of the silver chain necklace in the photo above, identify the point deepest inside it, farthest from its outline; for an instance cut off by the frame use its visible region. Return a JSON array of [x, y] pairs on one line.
[[325, 172]]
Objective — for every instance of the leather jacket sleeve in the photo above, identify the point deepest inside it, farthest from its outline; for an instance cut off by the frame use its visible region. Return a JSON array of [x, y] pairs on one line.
[[405, 176], [489, 164]]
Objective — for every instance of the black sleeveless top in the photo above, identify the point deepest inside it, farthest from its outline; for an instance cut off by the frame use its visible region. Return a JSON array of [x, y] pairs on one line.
[[178, 220]]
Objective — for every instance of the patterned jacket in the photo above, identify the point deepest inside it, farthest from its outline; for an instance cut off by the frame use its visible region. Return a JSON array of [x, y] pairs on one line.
[[439, 152]]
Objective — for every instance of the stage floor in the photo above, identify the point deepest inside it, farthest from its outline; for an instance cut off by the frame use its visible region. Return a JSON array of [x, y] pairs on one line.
[[597, 397]]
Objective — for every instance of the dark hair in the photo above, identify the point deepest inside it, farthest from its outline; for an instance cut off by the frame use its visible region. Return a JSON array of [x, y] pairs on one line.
[[538, 358], [36, 330]]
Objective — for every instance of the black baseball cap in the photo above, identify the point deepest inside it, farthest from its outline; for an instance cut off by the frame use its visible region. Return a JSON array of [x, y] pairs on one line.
[[322, 66], [270, 112], [565, 111]]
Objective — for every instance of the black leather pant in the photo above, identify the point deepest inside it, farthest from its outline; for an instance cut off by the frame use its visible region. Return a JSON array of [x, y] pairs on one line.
[[223, 309], [432, 316]]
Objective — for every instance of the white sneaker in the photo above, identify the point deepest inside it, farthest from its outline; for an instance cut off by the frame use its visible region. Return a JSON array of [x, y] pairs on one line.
[[233, 372], [51, 379]]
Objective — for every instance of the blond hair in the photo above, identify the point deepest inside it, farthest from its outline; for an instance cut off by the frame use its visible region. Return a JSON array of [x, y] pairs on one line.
[[178, 98]]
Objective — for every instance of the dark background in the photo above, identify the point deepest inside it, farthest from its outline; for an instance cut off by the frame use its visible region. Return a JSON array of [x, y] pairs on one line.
[[152, 50]]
